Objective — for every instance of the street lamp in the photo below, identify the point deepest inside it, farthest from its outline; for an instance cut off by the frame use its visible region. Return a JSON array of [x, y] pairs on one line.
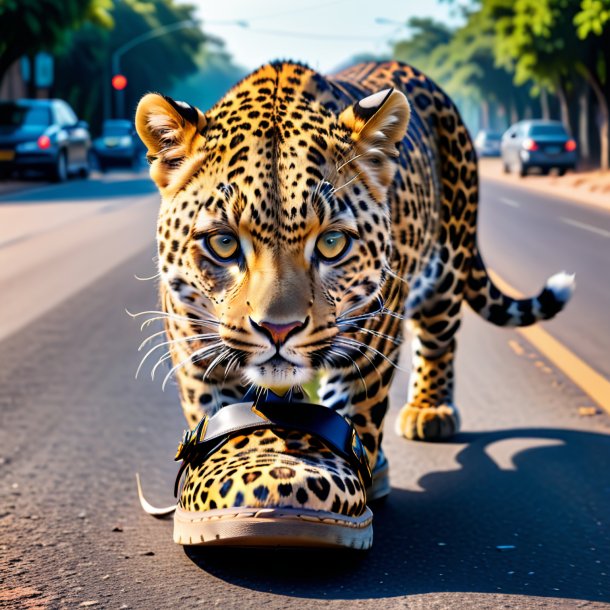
[[118, 53], [161, 31]]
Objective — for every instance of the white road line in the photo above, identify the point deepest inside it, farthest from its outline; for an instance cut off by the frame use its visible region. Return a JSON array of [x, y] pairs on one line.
[[585, 226], [510, 202]]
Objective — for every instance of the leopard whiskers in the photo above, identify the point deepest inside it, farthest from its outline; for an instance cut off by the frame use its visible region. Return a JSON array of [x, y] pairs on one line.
[[147, 279], [372, 364], [350, 160], [358, 345], [172, 342], [232, 363], [395, 275], [224, 354], [352, 365], [347, 183], [194, 357], [162, 315], [359, 329]]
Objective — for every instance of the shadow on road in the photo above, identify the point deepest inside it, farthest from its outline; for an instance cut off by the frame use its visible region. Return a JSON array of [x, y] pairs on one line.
[[445, 537]]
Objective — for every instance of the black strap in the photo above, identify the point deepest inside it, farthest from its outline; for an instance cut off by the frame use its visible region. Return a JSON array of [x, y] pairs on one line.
[[242, 418]]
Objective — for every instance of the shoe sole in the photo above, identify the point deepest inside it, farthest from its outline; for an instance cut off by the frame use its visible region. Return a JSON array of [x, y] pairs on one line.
[[273, 527]]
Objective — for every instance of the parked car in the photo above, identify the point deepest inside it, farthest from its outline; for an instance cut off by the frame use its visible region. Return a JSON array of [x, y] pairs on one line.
[[43, 135], [118, 145], [487, 143], [538, 143]]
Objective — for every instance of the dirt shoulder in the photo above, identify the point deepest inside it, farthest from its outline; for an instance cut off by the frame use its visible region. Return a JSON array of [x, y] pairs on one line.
[[587, 187]]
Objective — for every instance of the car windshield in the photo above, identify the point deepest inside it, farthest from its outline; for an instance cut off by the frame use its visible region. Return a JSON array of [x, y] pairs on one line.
[[15, 115], [113, 129], [547, 130], [493, 137]]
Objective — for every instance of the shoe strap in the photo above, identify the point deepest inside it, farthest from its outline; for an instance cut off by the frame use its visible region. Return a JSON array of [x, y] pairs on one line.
[[243, 418]]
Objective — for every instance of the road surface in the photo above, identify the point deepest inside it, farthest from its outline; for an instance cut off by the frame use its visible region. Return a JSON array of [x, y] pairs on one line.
[[528, 473]]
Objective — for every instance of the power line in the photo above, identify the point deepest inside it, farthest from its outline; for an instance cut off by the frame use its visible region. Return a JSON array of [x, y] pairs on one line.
[[313, 36], [303, 9]]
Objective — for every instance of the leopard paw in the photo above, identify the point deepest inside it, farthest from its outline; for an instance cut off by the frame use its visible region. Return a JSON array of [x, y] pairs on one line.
[[427, 423]]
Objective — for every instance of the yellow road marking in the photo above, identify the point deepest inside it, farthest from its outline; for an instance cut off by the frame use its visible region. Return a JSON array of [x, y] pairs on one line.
[[588, 380]]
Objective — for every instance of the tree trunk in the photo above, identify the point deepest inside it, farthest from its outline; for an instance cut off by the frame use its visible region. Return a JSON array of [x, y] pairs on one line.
[[484, 114], [544, 104], [564, 108], [604, 119], [583, 123], [31, 84], [514, 112]]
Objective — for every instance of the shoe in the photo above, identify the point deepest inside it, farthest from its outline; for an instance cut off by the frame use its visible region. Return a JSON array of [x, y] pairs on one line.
[[275, 474]]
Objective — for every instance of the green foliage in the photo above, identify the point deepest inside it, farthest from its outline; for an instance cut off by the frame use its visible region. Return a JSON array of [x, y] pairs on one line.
[[592, 18], [30, 26], [536, 40], [83, 68]]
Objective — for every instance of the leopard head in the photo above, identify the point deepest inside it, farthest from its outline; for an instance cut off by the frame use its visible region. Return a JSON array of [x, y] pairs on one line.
[[274, 216]]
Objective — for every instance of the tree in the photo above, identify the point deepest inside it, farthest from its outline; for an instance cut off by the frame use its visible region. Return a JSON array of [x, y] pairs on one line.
[[592, 24], [83, 68], [554, 42], [462, 61], [30, 26]]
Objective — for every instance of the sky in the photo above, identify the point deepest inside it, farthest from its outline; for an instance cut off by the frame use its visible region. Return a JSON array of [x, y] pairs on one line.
[[322, 34]]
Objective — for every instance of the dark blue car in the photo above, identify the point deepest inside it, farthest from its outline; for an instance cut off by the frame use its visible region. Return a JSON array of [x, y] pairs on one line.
[[540, 144], [44, 136]]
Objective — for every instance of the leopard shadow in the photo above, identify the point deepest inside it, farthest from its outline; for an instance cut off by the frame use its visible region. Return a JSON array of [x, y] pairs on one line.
[[445, 537]]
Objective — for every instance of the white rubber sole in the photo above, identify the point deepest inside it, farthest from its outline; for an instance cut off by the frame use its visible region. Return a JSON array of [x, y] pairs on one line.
[[273, 527]]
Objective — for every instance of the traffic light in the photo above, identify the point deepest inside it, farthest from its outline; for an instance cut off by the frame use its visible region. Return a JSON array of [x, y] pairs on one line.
[[119, 82]]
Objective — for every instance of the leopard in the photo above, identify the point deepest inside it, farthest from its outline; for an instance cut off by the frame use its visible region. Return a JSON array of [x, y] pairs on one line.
[[307, 224]]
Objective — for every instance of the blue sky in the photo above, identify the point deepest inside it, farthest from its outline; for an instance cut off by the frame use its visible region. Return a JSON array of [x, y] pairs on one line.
[[322, 34]]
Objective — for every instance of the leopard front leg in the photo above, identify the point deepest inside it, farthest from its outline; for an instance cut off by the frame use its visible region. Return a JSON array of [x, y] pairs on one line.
[[362, 396], [430, 413]]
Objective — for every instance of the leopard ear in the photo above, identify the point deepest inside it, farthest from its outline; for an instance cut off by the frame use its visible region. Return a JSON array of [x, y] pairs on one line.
[[172, 132], [377, 124]]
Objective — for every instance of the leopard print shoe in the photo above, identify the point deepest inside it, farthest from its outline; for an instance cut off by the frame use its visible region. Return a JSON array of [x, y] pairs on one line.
[[273, 474]]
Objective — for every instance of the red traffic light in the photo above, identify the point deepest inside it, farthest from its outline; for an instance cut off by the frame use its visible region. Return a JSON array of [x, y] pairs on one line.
[[119, 82]]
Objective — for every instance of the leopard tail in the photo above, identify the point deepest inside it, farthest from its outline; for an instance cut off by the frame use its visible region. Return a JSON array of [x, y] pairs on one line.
[[499, 309]]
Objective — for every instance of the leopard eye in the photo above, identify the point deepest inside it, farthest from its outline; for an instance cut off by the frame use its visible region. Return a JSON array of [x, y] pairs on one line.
[[224, 246], [332, 245]]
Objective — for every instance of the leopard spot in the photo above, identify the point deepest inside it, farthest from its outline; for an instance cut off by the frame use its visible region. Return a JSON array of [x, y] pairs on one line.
[[282, 472], [250, 477], [319, 486]]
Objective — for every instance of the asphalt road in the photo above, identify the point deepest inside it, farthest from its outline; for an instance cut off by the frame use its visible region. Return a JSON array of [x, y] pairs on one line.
[[527, 472]]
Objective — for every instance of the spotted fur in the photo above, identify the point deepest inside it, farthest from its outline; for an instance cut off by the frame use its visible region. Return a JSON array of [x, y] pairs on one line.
[[378, 152]]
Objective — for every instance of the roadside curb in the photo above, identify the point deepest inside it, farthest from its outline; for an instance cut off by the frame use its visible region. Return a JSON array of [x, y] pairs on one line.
[[561, 187]]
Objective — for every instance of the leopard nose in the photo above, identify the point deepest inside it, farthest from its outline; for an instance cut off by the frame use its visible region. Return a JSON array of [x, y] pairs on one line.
[[279, 332]]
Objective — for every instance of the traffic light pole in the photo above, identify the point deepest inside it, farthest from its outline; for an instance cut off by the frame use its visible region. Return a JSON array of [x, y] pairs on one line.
[[119, 95]]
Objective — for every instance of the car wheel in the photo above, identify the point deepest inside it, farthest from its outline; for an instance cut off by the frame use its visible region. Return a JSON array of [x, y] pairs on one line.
[[544, 171], [562, 171], [85, 170], [60, 171]]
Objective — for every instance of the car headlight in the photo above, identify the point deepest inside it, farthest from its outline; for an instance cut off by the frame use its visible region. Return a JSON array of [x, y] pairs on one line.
[[125, 141]]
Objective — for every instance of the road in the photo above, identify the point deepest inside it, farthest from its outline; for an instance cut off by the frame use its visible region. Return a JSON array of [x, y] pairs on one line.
[[527, 472]]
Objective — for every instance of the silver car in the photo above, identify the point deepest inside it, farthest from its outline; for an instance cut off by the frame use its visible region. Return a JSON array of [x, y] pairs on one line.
[[538, 144], [487, 143]]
